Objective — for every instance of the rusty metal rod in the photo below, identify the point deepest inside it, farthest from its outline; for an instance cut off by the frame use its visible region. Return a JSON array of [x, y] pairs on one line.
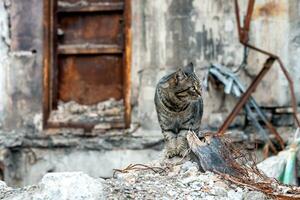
[[245, 43], [291, 87], [247, 21], [237, 16], [244, 40], [245, 96], [287, 76]]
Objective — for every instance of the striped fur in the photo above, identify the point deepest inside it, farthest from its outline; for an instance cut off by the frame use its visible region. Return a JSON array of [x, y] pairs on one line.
[[179, 107]]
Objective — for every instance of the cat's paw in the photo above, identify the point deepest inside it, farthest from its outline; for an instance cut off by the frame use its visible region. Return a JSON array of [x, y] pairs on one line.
[[170, 154], [182, 146], [170, 151]]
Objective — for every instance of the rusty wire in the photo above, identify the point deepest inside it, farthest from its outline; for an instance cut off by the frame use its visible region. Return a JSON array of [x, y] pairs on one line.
[[239, 166], [139, 167], [246, 174]]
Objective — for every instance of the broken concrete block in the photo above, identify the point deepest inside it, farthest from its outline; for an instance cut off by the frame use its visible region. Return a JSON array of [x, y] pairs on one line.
[[274, 166], [63, 186], [3, 189], [70, 185], [254, 195]]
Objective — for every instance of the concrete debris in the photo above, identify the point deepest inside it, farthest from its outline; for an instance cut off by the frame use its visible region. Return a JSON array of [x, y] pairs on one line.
[[274, 166], [107, 111], [181, 181], [254, 195], [11, 139], [53, 186]]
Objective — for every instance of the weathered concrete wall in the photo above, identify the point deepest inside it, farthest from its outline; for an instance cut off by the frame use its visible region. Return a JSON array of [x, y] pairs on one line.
[[21, 63], [32, 164], [4, 49], [26, 157], [169, 34], [294, 43], [271, 17]]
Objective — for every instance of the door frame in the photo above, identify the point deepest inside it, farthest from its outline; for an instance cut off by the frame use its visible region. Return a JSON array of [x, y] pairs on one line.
[[50, 72]]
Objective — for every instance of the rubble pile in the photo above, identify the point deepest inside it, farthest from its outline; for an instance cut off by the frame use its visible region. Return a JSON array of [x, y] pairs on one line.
[[183, 181], [172, 181], [57, 186], [106, 111]]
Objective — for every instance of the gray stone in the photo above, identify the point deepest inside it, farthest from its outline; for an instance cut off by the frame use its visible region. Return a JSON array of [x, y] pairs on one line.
[[255, 195], [234, 195], [70, 185], [3, 188], [186, 166], [274, 165], [63, 186], [218, 191]]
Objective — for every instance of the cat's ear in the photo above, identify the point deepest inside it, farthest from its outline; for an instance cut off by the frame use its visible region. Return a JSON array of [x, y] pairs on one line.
[[189, 69], [179, 75]]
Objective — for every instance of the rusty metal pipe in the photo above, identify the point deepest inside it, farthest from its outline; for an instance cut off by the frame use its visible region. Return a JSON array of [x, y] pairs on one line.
[[237, 16], [291, 87], [287, 76], [247, 21], [243, 38], [245, 96]]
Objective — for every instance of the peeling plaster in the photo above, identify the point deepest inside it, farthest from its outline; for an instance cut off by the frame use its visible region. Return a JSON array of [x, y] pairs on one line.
[[4, 58]]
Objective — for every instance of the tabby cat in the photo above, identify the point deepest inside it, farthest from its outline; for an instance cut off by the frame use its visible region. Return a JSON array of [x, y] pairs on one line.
[[179, 108]]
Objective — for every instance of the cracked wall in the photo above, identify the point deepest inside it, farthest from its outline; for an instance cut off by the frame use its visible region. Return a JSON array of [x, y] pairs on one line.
[[294, 44], [31, 164], [21, 63], [4, 49]]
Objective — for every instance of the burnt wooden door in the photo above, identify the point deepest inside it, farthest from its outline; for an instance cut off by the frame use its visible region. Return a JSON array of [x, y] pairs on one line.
[[90, 51]]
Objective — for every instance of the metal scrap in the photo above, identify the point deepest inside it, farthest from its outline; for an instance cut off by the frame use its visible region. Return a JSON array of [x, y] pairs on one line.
[[232, 85], [243, 33]]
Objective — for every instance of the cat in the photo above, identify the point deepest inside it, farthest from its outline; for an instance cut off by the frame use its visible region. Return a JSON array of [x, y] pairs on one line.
[[179, 108]]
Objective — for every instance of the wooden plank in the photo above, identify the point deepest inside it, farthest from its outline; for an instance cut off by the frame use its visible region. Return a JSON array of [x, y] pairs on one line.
[[127, 63], [89, 79], [95, 7], [96, 28], [48, 58], [214, 154], [46, 62], [89, 49], [54, 69]]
